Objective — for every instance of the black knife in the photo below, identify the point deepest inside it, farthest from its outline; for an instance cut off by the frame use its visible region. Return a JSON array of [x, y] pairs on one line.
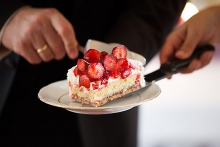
[[173, 66]]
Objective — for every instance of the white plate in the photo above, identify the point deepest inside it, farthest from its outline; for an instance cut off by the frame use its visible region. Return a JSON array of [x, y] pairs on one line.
[[56, 94]]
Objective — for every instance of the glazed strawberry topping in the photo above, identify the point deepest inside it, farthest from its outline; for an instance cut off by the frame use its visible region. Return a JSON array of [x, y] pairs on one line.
[[84, 81], [92, 55], [126, 73], [119, 51], [77, 71], [109, 62], [102, 57], [95, 71], [99, 66], [95, 86], [122, 64], [81, 64]]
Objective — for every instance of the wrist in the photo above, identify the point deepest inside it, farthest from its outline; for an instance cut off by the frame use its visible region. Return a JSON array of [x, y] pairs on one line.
[[7, 22]]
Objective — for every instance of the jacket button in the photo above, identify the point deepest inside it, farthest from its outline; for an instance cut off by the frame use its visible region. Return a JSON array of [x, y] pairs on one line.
[[10, 64]]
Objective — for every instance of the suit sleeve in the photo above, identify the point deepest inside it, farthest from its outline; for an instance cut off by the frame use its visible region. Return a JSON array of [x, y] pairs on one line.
[[7, 9], [144, 26]]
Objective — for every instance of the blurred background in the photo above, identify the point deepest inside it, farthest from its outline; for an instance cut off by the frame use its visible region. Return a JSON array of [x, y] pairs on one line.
[[187, 112]]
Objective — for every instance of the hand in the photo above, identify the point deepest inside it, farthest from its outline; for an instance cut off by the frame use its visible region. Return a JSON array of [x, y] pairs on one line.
[[202, 28], [31, 29]]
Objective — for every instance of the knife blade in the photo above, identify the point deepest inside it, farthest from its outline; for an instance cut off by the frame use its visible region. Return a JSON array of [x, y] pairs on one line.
[[172, 67]]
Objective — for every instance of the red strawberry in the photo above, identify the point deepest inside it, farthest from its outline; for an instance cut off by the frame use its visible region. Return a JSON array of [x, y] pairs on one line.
[[92, 55], [105, 77], [95, 86], [119, 51], [81, 64], [114, 73], [109, 62], [84, 81], [77, 71], [122, 64], [102, 57], [95, 71], [126, 73]]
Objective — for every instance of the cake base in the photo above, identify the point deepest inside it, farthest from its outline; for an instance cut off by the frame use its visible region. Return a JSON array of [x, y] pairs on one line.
[[98, 103], [113, 91]]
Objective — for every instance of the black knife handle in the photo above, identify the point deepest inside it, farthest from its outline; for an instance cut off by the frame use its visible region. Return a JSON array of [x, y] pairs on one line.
[[177, 64]]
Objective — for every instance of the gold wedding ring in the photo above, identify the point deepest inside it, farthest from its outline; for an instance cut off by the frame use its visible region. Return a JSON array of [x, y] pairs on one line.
[[42, 49]]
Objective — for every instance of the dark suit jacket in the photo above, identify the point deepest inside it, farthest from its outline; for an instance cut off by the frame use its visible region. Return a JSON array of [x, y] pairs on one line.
[[141, 25]]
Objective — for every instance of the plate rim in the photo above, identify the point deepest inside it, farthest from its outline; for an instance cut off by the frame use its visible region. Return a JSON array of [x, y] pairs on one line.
[[64, 106]]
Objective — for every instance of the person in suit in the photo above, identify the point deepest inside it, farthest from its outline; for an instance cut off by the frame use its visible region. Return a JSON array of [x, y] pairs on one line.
[[39, 43], [200, 29]]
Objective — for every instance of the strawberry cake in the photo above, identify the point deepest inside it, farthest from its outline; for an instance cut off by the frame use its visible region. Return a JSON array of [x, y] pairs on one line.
[[100, 77]]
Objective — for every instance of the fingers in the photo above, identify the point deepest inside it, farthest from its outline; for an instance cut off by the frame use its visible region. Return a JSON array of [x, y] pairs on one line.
[[67, 34], [43, 35], [26, 50], [191, 41], [172, 44], [180, 44], [204, 60], [54, 42], [45, 53], [194, 65], [188, 46], [58, 35], [40, 46]]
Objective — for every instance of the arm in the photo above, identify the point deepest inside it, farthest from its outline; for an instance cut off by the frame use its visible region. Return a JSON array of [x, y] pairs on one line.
[[7, 8], [7, 11], [145, 24]]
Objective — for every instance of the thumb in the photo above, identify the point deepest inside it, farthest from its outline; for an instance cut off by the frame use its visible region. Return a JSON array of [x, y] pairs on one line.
[[187, 47], [185, 51]]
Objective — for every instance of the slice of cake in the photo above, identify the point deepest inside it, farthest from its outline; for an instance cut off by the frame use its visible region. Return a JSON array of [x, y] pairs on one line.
[[100, 77]]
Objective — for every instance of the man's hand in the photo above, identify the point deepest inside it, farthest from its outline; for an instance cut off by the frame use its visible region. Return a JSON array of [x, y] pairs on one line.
[[40, 35], [203, 28]]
